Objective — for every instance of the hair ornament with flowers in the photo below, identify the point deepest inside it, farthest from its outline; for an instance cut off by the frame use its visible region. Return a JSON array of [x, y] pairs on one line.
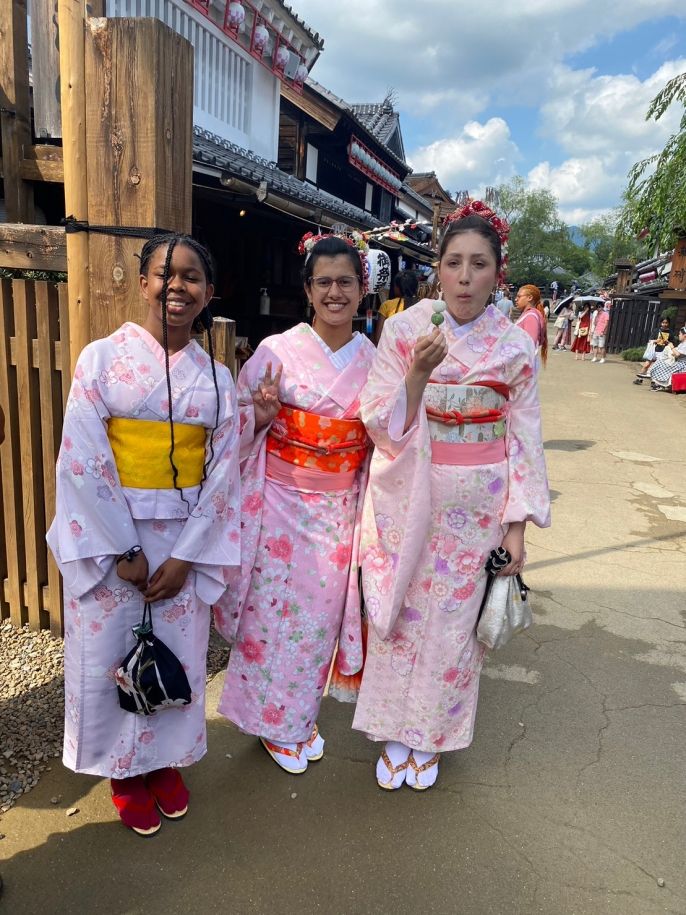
[[501, 226], [477, 208], [356, 240]]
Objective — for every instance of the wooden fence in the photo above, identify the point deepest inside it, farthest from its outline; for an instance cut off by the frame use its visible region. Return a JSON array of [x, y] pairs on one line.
[[34, 348], [632, 322], [34, 341]]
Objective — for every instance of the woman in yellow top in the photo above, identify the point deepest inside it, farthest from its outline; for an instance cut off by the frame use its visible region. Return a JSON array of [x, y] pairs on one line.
[[405, 287]]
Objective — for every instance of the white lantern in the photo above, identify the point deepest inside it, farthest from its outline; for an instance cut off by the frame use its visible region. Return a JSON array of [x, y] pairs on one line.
[[236, 15], [282, 57], [379, 270], [260, 38]]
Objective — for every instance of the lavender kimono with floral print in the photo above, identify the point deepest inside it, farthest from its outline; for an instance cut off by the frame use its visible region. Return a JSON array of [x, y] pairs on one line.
[[428, 528], [297, 592], [97, 519]]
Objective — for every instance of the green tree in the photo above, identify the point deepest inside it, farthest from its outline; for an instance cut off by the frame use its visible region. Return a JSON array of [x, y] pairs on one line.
[[540, 248], [606, 241], [656, 193]]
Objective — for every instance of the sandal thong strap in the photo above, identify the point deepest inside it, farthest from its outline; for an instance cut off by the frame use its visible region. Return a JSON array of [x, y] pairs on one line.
[[313, 735], [285, 751], [393, 770], [427, 765]]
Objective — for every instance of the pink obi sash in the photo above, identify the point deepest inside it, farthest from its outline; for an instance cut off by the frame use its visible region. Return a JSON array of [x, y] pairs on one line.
[[468, 454], [308, 478]]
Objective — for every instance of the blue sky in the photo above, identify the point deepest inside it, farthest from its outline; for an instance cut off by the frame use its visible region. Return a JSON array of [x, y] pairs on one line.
[[556, 92]]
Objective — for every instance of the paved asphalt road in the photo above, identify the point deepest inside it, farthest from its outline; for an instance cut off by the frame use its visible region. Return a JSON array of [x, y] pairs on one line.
[[571, 799]]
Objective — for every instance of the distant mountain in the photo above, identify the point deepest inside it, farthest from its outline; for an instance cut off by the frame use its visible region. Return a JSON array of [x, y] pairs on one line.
[[576, 235]]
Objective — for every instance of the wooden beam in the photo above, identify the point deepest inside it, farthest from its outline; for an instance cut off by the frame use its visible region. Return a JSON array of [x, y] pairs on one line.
[[15, 108], [314, 106], [24, 247], [71, 15], [42, 170], [139, 119]]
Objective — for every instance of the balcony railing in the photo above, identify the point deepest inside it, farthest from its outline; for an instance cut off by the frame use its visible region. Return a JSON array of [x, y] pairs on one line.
[[222, 101]]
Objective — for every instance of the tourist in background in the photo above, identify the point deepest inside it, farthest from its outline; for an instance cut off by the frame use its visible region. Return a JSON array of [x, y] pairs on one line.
[[532, 318], [405, 287]]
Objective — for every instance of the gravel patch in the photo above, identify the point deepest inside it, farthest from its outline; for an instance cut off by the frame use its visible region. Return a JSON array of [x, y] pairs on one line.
[[32, 704]]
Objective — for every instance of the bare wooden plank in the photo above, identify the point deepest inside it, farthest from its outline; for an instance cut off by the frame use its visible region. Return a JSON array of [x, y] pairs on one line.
[[28, 247], [10, 463], [15, 108], [45, 58], [48, 328], [73, 98], [317, 108], [23, 293], [64, 360], [42, 170], [139, 117]]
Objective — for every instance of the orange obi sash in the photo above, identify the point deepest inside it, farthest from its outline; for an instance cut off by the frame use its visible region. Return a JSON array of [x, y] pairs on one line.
[[318, 442]]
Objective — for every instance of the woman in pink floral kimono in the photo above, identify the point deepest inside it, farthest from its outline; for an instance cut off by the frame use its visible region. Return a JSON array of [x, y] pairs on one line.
[[303, 450], [147, 511], [458, 470]]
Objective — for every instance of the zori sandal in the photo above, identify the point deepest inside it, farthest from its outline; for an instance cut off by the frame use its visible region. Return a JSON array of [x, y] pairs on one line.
[[314, 747], [169, 791], [291, 757], [135, 805], [389, 776], [429, 770]]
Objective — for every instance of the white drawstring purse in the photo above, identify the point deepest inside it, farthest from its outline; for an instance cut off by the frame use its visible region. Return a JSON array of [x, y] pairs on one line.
[[505, 608]]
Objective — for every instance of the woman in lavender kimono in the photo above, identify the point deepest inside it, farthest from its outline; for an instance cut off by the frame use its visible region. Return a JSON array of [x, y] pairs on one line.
[[303, 452], [458, 470], [147, 511]]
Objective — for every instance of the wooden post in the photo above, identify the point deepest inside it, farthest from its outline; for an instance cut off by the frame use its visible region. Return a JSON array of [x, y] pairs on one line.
[[625, 270], [139, 129], [15, 108], [677, 275], [71, 15], [436, 223]]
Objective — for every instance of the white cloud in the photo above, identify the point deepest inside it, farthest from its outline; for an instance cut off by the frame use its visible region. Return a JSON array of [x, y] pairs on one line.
[[590, 113], [480, 154]]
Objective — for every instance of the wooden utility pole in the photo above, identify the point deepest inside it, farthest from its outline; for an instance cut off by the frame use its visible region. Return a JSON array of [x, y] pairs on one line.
[[71, 19], [436, 223], [139, 138], [15, 109]]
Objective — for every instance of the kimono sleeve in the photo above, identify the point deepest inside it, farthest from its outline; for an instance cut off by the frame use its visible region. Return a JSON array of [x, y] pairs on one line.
[[248, 382], [383, 403], [529, 496], [92, 523], [210, 538]]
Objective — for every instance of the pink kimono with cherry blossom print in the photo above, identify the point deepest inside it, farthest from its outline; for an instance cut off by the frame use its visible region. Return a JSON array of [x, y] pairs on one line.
[[297, 592], [97, 520], [428, 528]]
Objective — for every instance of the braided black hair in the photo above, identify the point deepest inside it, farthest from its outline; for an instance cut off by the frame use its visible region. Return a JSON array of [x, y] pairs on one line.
[[202, 323]]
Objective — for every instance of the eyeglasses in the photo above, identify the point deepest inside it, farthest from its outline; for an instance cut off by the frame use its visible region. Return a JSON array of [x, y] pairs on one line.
[[344, 283]]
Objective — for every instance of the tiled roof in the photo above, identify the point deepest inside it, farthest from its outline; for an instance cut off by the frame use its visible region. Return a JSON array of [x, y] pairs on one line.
[[407, 191], [209, 149], [351, 111], [378, 118], [317, 40]]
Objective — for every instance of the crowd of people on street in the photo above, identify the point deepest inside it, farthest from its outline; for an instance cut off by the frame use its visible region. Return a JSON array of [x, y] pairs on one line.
[[177, 492]]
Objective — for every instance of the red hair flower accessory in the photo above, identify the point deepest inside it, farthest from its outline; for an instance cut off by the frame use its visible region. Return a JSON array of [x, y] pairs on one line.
[[477, 208]]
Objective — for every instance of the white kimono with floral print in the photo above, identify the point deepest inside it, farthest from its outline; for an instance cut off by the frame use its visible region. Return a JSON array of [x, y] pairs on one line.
[[97, 519], [428, 528]]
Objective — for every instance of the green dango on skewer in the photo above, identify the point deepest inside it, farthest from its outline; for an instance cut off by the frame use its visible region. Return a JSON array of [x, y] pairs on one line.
[[437, 318]]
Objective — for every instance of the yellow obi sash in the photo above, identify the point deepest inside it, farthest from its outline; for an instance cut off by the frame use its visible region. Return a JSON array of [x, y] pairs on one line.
[[321, 442], [141, 452]]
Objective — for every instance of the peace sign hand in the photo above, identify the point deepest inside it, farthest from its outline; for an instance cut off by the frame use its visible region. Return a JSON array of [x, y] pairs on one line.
[[266, 398]]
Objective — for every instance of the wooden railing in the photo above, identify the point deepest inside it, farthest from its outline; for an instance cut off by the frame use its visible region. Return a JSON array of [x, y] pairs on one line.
[[34, 342]]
